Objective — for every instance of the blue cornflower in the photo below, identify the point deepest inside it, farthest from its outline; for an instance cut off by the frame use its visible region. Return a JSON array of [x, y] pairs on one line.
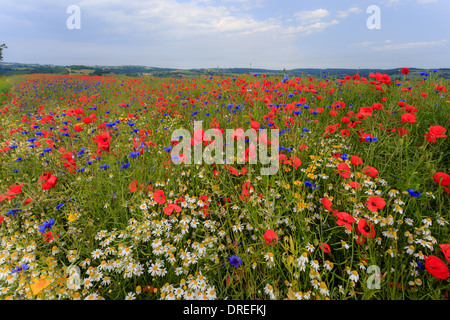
[[13, 212], [125, 165], [235, 260], [414, 193], [22, 267], [421, 266], [344, 156], [371, 139], [311, 185], [46, 225], [104, 166], [134, 154], [59, 206]]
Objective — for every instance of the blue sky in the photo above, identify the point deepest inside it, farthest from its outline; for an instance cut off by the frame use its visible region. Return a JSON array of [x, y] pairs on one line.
[[228, 33]]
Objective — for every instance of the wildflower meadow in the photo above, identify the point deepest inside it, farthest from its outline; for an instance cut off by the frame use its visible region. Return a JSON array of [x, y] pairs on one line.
[[95, 204]]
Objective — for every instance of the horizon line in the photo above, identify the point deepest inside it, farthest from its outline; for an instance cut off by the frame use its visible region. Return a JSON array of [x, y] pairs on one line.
[[223, 68]]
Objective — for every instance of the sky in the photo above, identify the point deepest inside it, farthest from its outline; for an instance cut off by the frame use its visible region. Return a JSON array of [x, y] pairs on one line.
[[252, 34]]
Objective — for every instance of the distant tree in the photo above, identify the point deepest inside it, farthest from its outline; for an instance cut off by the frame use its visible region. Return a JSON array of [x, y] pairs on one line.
[[98, 72], [2, 46]]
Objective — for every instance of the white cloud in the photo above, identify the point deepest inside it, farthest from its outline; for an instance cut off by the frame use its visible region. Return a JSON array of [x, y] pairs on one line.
[[412, 45], [362, 44], [172, 18], [310, 28], [345, 14], [312, 16]]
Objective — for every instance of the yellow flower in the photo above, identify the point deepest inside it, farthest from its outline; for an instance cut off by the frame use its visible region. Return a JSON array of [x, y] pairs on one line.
[[39, 284]]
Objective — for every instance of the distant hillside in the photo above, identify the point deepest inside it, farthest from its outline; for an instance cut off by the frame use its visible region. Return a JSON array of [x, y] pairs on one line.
[[13, 68]]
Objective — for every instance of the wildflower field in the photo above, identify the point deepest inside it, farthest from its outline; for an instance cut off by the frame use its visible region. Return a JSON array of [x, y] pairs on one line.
[[93, 204]]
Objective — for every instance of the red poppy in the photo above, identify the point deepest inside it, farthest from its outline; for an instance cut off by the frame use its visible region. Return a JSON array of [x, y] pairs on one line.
[[78, 128], [263, 138], [199, 135], [435, 132], [344, 170], [254, 125], [445, 248], [132, 186], [375, 203], [250, 152], [13, 191], [87, 120], [436, 267], [438, 131], [402, 131], [360, 239], [246, 189], [295, 162], [344, 219], [271, 237], [370, 171], [1, 219], [159, 196], [353, 184], [365, 227], [50, 180], [326, 203], [443, 179], [408, 117], [103, 140], [49, 236], [170, 208], [356, 160], [325, 247], [405, 71]]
